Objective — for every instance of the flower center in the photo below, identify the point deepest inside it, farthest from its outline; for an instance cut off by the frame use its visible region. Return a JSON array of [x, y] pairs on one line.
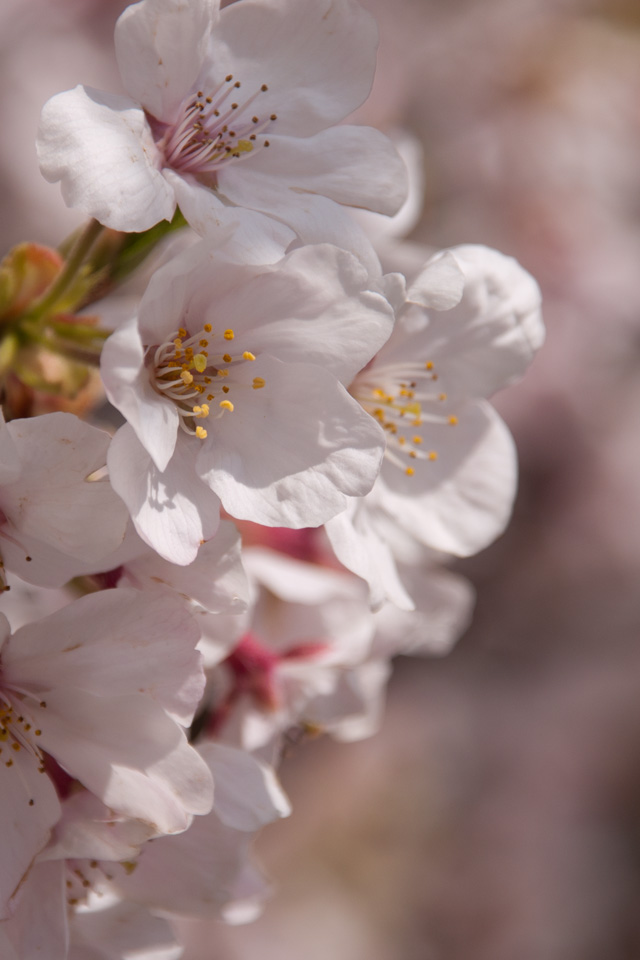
[[198, 380], [214, 130], [18, 729], [403, 398], [87, 877], [253, 672]]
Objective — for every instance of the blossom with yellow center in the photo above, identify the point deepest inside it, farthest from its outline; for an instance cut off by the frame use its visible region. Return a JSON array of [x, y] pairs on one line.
[[235, 389]]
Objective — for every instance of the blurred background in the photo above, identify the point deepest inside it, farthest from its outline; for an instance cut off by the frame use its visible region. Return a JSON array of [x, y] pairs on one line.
[[497, 814]]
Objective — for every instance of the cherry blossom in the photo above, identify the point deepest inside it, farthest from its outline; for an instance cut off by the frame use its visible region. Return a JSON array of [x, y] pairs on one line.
[[449, 473], [208, 869], [231, 114], [99, 869], [232, 381], [79, 686], [308, 628]]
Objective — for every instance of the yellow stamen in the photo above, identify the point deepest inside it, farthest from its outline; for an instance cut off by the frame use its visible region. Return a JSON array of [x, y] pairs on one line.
[[453, 421], [417, 439], [200, 362], [229, 334], [433, 455], [201, 433], [409, 471], [258, 383], [226, 405], [207, 328], [227, 357], [182, 332], [247, 355], [186, 377]]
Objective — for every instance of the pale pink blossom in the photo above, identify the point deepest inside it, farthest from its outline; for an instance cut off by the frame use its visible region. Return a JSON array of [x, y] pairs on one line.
[[296, 648], [469, 325], [208, 870], [103, 686], [232, 115], [97, 862], [232, 381]]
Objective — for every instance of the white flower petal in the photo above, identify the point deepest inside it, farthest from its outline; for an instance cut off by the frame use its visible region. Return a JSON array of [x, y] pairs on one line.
[[129, 753], [52, 501], [462, 501], [360, 549], [100, 147], [88, 830], [173, 511], [247, 792], [444, 604], [160, 47], [357, 166], [314, 218], [440, 284], [490, 338], [313, 307], [38, 927], [290, 452], [122, 931], [216, 578], [153, 417], [316, 56], [261, 238], [25, 825], [112, 643]]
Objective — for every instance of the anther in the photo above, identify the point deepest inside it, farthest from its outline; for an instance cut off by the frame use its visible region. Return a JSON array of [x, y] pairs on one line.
[[227, 405]]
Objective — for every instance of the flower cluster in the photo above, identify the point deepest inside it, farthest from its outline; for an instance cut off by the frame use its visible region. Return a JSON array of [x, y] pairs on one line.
[[304, 444]]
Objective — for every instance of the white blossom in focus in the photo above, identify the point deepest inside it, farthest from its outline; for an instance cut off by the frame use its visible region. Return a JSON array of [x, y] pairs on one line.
[[232, 115], [232, 381]]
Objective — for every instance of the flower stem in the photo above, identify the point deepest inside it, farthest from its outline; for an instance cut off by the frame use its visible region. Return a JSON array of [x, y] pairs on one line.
[[77, 255]]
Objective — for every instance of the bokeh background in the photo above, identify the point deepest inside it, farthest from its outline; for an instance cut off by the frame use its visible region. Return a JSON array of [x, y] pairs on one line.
[[497, 814]]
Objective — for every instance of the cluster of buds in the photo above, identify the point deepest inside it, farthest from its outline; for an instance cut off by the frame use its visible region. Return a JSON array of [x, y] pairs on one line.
[[304, 445]]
